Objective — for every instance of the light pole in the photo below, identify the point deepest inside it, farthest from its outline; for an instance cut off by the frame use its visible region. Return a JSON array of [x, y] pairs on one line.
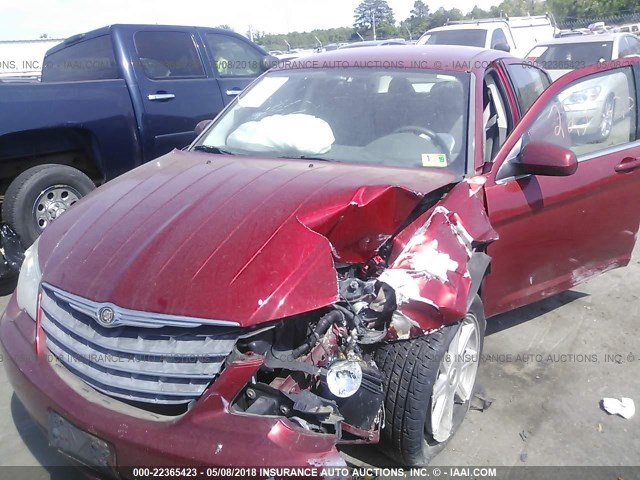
[[373, 21]]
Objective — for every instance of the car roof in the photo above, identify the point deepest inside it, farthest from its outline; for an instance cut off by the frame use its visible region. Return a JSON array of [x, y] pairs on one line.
[[603, 37], [455, 58]]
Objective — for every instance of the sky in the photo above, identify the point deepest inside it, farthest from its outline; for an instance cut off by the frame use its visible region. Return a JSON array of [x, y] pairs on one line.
[[28, 19]]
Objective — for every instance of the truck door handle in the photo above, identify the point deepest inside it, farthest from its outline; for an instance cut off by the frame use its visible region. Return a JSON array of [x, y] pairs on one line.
[[160, 97], [234, 92], [628, 164]]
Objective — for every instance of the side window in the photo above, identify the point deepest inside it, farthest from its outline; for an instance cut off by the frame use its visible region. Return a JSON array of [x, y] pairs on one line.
[[88, 60], [168, 55], [634, 45], [233, 57], [498, 37], [495, 117], [529, 82], [623, 47], [591, 114]]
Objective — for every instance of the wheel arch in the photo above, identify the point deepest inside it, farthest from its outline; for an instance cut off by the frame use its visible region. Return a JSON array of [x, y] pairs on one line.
[[76, 147]]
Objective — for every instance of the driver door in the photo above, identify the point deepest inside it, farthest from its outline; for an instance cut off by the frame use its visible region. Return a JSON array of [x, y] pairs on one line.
[[557, 231]]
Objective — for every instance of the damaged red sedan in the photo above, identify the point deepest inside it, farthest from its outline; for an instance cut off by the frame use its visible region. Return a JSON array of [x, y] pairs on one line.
[[316, 269]]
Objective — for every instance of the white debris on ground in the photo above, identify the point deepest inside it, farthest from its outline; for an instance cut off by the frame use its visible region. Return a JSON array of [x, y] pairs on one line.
[[623, 407]]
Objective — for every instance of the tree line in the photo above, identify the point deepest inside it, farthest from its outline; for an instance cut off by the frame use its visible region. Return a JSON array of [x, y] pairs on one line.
[[376, 18]]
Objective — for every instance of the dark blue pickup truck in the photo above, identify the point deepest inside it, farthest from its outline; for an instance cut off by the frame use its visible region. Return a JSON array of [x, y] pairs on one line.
[[108, 101]]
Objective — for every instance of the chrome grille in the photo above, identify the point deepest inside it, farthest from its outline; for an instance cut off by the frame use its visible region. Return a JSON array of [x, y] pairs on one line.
[[154, 364]]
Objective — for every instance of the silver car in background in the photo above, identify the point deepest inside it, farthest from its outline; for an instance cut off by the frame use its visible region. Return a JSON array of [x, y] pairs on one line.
[[593, 109]]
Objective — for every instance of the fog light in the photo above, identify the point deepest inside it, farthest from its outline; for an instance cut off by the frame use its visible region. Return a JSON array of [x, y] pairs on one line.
[[344, 378]]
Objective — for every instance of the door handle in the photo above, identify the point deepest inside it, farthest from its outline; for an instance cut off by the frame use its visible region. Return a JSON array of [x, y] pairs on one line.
[[160, 97], [628, 164], [234, 92]]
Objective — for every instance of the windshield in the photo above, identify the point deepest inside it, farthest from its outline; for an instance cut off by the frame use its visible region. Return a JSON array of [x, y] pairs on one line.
[[472, 37], [407, 118], [570, 56]]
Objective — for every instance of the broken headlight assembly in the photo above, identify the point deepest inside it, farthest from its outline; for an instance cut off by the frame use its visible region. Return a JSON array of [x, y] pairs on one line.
[[29, 281], [318, 369]]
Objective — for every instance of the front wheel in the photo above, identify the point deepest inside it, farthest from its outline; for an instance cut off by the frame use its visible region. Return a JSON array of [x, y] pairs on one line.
[[429, 386], [41, 194]]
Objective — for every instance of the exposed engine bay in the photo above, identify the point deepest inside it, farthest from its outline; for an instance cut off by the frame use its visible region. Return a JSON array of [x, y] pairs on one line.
[[319, 369]]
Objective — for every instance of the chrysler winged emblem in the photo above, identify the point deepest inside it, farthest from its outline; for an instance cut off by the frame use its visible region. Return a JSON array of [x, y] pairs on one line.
[[106, 316]]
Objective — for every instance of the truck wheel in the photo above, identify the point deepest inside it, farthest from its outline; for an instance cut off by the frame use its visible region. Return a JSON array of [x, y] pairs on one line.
[[8, 285], [429, 386], [41, 194]]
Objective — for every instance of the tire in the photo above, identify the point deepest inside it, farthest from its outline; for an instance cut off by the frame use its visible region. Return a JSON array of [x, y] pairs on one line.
[[8, 285], [39, 195], [411, 369]]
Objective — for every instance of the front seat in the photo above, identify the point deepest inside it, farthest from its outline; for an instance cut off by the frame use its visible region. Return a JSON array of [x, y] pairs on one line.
[[397, 107]]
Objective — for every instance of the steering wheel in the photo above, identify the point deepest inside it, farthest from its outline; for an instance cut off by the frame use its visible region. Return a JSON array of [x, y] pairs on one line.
[[425, 131]]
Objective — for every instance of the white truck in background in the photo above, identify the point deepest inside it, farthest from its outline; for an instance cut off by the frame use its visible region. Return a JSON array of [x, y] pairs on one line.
[[517, 35]]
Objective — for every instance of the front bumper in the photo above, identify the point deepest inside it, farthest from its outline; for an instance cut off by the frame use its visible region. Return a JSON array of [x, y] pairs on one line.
[[209, 434]]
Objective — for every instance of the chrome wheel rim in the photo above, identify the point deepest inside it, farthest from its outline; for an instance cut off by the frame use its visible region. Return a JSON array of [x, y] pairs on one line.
[[607, 119], [53, 202], [456, 378]]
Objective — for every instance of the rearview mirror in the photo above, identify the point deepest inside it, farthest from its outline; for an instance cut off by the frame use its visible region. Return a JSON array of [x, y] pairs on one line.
[[547, 159], [502, 46], [200, 127]]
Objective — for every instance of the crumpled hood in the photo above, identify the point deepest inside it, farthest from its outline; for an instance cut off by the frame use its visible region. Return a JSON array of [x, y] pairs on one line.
[[228, 238]]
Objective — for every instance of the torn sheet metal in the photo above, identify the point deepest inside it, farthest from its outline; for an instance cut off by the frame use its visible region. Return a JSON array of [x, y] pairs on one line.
[[429, 262], [11, 252], [358, 228]]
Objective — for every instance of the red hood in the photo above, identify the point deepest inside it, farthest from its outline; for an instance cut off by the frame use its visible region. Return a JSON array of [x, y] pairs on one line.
[[228, 238]]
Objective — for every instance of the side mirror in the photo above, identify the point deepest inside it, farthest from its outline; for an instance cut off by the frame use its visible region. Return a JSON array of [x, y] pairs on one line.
[[268, 61], [547, 159], [201, 126], [502, 46]]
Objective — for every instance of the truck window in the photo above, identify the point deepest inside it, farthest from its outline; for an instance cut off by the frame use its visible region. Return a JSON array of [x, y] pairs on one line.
[[232, 57], [88, 60], [528, 82], [168, 55], [498, 37], [473, 37], [628, 46]]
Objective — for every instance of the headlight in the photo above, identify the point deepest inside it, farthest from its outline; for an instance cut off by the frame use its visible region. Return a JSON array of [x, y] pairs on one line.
[[344, 378], [583, 96], [29, 281]]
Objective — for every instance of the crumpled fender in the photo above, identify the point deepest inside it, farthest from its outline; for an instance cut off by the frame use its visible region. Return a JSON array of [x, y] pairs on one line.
[[437, 263]]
